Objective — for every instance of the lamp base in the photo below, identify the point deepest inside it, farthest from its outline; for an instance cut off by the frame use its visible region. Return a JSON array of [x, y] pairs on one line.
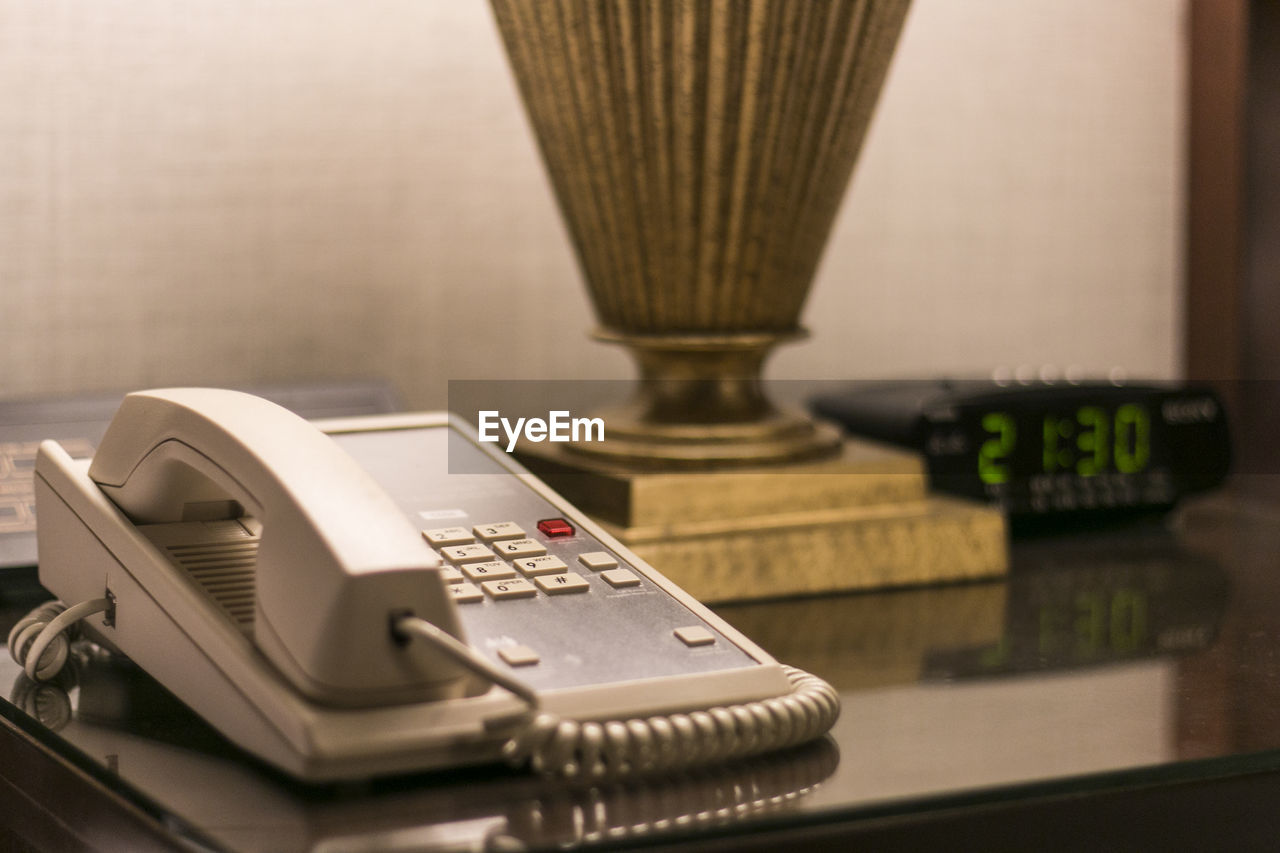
[[860, 520], [700, 405]]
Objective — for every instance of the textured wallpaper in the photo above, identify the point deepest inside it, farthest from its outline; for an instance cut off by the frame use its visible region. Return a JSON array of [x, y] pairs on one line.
[[234, 192]]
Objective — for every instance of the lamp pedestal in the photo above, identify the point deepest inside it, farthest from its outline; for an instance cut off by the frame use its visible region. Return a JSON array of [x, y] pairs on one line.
[[861, 519]]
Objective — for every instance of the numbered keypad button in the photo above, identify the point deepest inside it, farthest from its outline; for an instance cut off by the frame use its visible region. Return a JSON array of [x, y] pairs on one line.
[[563, 583], [459, 554], [466, 593], [443, 536], [451, 575], [493, 570], [521, 548], [514, 588], [598, 560], [498, 530], [619, 578], [534, 566]]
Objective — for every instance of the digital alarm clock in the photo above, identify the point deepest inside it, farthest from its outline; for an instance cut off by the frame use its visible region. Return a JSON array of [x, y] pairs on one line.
[[1048, 449]]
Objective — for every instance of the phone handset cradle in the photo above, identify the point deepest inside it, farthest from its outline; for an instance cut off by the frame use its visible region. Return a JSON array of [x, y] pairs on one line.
[[336, 555]]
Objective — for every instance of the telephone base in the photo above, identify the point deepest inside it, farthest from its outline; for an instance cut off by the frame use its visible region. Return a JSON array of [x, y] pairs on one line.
[[284, 627]]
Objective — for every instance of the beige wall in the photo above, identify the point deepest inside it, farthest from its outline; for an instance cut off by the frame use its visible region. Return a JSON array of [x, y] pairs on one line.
[[231, 192]]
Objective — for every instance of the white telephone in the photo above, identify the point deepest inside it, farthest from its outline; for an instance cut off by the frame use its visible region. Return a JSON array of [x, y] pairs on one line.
[[287, 583]]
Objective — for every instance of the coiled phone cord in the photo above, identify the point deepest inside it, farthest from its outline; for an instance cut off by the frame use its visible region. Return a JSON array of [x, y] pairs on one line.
[[551, 745], [599, 750], [41, 641]]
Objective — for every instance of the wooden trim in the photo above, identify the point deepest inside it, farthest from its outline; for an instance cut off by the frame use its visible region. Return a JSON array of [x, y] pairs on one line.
[[1218, 67]]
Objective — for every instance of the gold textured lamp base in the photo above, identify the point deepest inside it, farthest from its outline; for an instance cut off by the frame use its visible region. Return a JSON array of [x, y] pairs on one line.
[[860, 520], [700, 404]]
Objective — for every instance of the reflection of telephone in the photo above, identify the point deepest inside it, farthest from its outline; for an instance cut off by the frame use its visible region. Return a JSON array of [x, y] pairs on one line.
[[287, 585]]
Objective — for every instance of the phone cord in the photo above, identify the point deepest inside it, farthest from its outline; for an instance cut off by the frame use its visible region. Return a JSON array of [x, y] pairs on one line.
[[551, 745], [554, 746], [41, 641]]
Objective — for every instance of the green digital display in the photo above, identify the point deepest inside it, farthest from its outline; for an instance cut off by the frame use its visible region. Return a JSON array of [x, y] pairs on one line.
[[1088, 441], [1052, 449], [993, 455]]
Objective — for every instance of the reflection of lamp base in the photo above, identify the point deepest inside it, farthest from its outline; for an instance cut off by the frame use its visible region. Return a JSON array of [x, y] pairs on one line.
[[862, 520], [859, 642]]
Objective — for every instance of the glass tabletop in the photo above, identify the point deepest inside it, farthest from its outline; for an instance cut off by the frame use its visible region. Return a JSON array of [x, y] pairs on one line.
[[1145, 653]]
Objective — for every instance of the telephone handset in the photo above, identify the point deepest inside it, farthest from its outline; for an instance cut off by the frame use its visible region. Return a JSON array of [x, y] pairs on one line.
[[326, 528], [341, 605]]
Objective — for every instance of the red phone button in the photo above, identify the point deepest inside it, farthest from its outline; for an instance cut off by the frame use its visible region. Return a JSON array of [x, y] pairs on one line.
[[555, 528]]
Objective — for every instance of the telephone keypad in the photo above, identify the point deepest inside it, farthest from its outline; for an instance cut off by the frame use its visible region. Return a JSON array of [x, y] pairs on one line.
[[560, 584], [443, 536], [466, 593], [498, 530], [459, 554], [624, 610], [475, 563], [494, 570], [533, 566], [521, 548], [514, 588]]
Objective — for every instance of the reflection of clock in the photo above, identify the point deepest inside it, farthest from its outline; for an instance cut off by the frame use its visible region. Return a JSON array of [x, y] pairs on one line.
[[1076, 602], [1049, 449]]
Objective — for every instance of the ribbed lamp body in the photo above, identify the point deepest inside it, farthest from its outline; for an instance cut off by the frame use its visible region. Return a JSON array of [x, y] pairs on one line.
[[699, 150]]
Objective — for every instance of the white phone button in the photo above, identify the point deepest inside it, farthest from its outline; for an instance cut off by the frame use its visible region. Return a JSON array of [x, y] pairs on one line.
[[695, 635], [518, 655], [620, 577], [597, 560], [534, 566], [451, 575], [466, 593], [514, 588], [498, 530], [494, 570], [442, 536], [459, 554], [562, 584], [521, 548]]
